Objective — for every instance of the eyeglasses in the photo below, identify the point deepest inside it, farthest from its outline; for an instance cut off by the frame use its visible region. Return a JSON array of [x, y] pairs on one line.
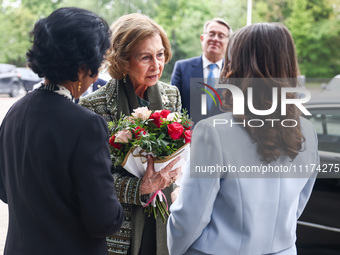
[[220, 36]]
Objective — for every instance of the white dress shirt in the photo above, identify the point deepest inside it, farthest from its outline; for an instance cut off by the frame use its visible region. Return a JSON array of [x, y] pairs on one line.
[[206, 70]]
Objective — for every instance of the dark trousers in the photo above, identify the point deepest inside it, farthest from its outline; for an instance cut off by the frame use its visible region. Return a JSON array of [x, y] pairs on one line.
[[149, 242]]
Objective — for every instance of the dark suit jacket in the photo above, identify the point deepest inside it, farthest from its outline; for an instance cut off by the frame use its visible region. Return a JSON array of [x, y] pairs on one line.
[[183, 71], [98, 84], [55, 177]]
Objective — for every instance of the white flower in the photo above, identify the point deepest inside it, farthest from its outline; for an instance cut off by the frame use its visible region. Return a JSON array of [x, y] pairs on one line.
[[141, 113], [123, 136], [174, 116]]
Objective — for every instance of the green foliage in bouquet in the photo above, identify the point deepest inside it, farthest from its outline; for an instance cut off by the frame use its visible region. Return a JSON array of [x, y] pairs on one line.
[[160, 133]]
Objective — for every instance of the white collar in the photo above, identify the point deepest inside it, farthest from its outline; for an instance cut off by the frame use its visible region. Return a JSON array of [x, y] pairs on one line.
[[206, 62], [58, 89]]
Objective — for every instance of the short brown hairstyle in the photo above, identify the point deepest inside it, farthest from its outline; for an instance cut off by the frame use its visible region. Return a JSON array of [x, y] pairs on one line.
[[127, 32]]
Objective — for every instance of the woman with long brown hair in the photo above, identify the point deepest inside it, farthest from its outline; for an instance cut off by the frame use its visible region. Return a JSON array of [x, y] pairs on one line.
[[245, 193]]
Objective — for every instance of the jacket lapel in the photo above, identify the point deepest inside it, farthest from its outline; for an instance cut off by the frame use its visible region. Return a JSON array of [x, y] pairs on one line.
[[195, 91], [197, 68], [126, 96], [127, 99]]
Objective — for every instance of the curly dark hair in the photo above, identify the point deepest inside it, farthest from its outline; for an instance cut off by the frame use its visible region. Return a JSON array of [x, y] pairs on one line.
[[262, 56], [67, 39]]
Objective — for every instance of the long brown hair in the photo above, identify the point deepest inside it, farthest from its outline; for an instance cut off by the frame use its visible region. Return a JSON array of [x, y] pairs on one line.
[[265, 51]]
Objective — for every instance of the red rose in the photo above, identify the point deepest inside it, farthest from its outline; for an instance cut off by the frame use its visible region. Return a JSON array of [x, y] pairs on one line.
[[165, 113], [156, 117], [175, 130], [112, 142], [138, 131], [187, 136]]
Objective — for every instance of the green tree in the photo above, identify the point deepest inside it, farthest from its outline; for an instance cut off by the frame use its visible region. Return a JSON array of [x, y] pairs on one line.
[[315, 31], [15, 26], [40, 8], [300, 24], [314, 24], [112, 10], [271, 11], [233, 12], [183, 21]]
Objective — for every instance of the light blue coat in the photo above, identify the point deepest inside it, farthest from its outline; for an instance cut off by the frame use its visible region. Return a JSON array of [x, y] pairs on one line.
[[239, 215]]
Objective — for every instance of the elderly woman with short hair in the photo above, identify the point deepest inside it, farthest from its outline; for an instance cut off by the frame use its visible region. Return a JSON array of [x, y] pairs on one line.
[[140, 48]]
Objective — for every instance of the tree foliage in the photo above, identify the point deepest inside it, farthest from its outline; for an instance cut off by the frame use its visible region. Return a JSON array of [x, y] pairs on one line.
[[315, 31], [183, 21], [14, 30], [314, 24]]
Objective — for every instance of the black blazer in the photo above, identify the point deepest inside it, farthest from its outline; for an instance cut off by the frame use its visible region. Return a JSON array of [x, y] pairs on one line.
[[55, 177], [98, 84], [183, 71]]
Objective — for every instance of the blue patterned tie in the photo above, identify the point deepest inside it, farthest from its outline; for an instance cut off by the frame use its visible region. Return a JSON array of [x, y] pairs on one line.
[[211, 81]]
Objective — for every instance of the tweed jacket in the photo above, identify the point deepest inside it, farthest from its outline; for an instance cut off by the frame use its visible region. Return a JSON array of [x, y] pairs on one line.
[[111, 101]]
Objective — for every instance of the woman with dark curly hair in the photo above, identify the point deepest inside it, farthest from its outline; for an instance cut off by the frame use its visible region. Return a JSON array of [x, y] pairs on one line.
[[251, 203], [54, 155]]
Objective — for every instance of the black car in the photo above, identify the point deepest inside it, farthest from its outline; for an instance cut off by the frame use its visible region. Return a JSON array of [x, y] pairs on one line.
[[318, 231], [28, 77], [10, 82]]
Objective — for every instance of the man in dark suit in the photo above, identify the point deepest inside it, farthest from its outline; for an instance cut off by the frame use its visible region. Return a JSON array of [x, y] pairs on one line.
[[214, 42], [94, 86], [97, 84]]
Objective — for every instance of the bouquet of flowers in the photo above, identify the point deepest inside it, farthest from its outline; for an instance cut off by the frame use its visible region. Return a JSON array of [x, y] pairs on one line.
[[162, 134]]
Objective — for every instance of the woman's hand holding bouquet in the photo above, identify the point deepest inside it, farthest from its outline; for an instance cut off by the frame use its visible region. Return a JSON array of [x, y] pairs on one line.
[[153, 180], [152, 146]]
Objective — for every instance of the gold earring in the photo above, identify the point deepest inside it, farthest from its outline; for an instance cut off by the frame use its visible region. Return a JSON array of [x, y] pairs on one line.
[[79, 86], [124, 78]]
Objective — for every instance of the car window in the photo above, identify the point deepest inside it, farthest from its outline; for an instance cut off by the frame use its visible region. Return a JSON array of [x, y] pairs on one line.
[[24, 73], [27, 74], [327, 124]]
